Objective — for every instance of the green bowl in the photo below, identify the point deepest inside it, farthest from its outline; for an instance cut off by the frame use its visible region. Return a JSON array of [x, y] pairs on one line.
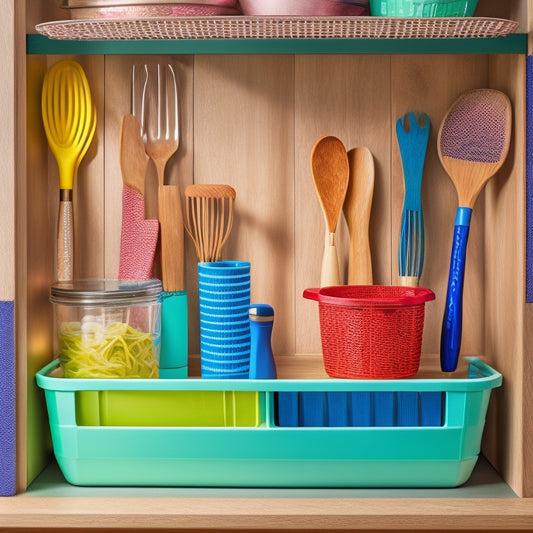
[[422, 8]]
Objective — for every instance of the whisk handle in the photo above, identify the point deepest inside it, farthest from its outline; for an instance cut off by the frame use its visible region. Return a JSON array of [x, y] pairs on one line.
[[452, 324]]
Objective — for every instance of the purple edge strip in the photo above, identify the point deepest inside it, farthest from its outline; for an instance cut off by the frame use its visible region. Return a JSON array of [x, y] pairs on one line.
[[7, 400], [529, 181]]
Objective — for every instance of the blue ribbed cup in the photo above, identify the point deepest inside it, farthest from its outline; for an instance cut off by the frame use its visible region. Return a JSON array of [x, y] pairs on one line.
[[224, 298]]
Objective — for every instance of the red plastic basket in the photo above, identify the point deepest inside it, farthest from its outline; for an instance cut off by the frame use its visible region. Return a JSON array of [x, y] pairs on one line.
[[371, 331]]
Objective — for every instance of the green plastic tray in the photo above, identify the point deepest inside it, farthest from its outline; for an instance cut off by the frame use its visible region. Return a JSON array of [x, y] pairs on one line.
[[193, 432]]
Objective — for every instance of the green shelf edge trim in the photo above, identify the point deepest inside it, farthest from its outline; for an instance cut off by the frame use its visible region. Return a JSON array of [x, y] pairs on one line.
[[515, 43]]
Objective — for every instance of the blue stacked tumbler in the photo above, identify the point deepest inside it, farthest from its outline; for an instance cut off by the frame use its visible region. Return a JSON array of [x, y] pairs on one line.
[[224, 292]]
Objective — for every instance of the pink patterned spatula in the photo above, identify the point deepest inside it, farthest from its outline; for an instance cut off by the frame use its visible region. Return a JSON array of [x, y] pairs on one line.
[[138, 241]]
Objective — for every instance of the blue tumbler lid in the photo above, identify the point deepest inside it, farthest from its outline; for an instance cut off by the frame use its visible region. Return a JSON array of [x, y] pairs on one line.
[[261, 313]]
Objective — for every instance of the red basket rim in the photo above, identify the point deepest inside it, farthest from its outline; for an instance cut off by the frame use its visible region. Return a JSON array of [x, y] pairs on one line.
[[336, 295]]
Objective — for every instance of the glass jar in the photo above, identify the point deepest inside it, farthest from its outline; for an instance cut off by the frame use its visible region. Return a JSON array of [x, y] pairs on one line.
[[107, 328]]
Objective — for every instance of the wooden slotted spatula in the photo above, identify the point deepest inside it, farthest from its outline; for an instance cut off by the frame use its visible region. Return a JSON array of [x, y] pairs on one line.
[[331, 174], [357, 207], [473, 143]]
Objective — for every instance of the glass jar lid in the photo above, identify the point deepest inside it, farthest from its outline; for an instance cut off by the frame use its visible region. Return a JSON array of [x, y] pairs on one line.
[[105, 292]]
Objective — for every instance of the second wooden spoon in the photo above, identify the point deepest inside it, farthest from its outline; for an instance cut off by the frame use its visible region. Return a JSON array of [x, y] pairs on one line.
[[357, 207]]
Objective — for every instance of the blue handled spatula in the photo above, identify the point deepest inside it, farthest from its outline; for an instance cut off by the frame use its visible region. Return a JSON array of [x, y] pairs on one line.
[[473, 143]]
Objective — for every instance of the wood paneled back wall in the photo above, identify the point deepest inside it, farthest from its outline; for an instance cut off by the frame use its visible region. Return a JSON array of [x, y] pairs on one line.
[[251, 122]]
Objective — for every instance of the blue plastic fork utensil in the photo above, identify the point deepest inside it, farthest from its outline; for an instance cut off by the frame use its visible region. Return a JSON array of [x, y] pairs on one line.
[[412, 131]]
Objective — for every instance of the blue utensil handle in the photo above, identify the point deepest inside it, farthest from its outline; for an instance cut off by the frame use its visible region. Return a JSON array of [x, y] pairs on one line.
[[452, 324]]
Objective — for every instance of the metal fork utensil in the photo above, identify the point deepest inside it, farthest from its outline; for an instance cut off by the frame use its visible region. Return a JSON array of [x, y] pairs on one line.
[[156, 105], [157, 109]]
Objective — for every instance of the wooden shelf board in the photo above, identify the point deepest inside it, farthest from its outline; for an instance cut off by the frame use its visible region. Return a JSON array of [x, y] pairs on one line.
[[51, 502]]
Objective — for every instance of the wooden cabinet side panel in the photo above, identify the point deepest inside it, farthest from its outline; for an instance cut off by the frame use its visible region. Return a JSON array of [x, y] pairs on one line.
[[511, 9], [34, 332], [507, 344], [41, 203]]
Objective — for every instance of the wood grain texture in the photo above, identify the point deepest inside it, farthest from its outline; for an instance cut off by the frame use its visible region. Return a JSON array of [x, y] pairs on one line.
[[180, 166], [357, 209], [348, 97], [133, 157], [271, 513], [14, 209], [253, 121], [172, 238], [65, 241], [37, 232], [117, 90], [89, 187], [331, 174], [330, 171], [7, 141], [420, 84], [244, 137], [511, 9], [507, 343]]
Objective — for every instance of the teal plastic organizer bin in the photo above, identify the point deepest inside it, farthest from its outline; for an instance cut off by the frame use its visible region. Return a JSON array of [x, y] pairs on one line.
[[249, 432]]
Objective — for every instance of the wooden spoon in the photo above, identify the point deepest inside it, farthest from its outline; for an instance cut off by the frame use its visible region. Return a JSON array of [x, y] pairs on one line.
[[331, 174], [357, 206], [473, 143]]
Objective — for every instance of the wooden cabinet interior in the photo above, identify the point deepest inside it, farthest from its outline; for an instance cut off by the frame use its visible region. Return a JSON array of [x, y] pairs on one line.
[[251, 121]]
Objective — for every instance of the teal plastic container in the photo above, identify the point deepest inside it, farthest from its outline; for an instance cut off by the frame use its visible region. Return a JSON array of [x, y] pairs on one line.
[[423, 8], [231, 433]]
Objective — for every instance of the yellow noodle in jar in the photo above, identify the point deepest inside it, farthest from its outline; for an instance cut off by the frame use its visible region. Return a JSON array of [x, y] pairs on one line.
[[89, 349]]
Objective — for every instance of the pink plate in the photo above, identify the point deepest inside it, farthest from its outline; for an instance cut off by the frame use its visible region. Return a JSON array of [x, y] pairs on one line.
[[153, 10], [127, 3], [321, 8]]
